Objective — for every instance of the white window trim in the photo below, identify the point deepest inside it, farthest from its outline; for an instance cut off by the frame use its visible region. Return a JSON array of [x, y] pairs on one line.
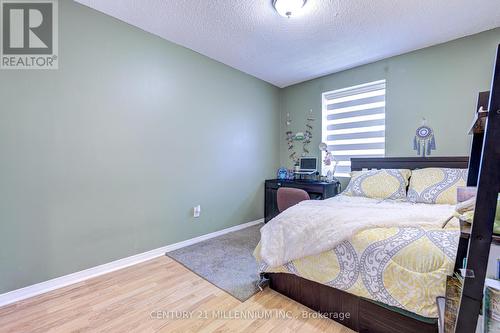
[[371, 90]]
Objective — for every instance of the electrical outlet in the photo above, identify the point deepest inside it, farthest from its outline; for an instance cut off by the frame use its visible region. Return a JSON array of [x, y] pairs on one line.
[[196, 211]]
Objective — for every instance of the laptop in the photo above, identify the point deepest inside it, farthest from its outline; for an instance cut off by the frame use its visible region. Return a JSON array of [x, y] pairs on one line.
[[307, 166]]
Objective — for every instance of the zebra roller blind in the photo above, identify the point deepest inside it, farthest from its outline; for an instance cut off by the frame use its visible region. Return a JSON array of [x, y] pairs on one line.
[[354, 123]]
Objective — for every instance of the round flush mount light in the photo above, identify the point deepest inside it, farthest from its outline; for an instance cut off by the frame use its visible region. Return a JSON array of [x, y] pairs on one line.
[[288, 8]]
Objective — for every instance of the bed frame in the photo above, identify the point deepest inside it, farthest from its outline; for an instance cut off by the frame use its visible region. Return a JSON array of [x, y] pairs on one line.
[[364, 315]]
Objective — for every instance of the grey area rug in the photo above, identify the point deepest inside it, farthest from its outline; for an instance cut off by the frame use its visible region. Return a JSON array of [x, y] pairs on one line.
[[226, 261]]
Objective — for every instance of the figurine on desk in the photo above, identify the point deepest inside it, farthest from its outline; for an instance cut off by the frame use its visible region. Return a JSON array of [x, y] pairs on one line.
[[329, 161]]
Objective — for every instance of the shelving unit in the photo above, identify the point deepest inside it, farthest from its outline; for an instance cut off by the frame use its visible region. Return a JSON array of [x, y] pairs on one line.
[[484, 172], [465, 232]]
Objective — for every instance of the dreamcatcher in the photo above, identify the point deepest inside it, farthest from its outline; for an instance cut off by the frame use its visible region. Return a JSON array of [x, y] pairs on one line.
[[424, 142]]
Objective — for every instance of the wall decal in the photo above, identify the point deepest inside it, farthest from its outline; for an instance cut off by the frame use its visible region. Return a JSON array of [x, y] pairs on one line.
[[305, 137]]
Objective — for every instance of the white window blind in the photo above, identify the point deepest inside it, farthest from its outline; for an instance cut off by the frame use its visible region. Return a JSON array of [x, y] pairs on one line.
[[354, 123]]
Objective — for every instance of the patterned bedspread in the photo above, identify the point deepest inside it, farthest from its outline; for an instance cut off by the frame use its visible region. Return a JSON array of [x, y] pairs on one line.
[[404, 267]]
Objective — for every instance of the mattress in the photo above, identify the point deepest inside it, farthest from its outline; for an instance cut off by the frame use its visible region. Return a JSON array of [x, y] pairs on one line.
[[405, 267]]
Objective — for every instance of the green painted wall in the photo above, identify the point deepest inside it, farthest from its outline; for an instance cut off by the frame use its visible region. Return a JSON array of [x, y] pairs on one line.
[[105, 157], [439, 83]]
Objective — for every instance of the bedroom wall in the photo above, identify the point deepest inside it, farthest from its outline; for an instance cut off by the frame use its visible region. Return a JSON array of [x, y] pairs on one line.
[[105, 157], [439, 83]]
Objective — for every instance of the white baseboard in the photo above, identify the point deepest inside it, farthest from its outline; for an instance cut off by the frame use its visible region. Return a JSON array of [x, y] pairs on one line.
[[63, 281]]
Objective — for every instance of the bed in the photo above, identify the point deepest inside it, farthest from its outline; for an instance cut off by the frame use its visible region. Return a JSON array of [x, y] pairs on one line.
[[403, 283]]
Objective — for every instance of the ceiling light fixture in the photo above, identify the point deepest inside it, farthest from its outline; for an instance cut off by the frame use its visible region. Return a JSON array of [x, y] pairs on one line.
[[287, 8]]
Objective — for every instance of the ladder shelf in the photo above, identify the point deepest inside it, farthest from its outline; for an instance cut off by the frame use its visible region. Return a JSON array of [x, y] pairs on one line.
[[484, 172]]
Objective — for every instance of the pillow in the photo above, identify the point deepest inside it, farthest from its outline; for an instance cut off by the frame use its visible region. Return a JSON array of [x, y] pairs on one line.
[[436, 185], [379, 184]]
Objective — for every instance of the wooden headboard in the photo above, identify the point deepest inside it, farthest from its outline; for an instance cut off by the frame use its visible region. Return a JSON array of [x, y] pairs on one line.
[[459, 162]]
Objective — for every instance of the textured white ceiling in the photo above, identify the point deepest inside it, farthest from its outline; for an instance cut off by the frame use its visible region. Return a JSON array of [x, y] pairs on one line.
[[330, 35]]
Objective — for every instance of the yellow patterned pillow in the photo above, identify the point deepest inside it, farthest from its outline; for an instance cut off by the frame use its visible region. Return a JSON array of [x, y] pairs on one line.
[[379, 184], [436, 185]]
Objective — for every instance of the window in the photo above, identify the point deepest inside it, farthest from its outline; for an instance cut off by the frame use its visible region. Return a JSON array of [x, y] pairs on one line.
[[354, 123]]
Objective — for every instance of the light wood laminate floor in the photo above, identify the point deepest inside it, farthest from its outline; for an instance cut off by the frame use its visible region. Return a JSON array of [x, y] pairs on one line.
[[159, 295]]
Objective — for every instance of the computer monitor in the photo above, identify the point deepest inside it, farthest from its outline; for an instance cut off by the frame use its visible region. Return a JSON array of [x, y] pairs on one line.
[[308, 164]]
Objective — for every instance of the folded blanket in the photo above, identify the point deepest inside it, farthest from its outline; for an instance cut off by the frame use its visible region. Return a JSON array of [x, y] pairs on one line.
[[314, 226]]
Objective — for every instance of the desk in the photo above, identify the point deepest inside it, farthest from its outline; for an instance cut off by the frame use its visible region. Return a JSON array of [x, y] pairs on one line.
[[317, 190]]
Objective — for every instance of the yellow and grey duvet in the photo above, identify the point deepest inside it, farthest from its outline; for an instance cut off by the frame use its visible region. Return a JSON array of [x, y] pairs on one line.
[[404, 266]]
